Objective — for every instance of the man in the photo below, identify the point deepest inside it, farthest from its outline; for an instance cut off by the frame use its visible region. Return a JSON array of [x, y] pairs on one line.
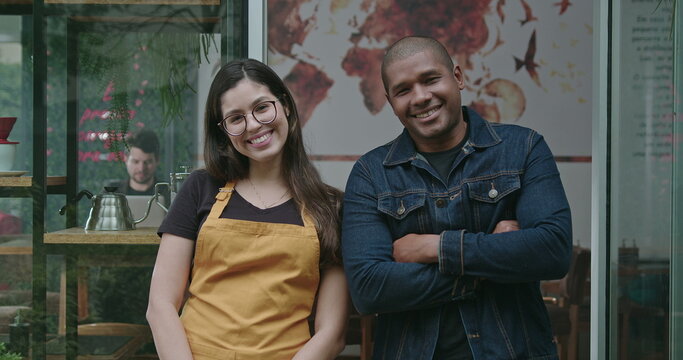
[[142, 160], [426, 235]]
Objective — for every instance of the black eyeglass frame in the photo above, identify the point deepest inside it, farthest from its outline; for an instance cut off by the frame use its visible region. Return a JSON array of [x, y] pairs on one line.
[[225, 129]]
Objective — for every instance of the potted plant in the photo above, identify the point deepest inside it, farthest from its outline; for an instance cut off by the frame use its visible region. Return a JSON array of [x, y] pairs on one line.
[[6, 355]]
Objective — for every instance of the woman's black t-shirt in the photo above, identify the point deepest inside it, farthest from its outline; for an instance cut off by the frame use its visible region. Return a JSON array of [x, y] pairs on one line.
[[193, 203]]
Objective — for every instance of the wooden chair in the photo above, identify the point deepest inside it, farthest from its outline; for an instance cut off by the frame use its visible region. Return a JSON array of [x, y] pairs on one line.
[[104, 341], [360, 332], [647, 303], [565, 301], [122, 340]]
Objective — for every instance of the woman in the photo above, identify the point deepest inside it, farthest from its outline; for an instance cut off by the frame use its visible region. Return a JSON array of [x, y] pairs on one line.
[[256, 234]]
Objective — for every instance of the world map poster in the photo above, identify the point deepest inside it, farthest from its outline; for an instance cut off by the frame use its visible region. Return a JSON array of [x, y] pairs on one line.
[[525, 62]]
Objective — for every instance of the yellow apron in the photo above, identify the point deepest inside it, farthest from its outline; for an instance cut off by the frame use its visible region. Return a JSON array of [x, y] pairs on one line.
[[252, 289]]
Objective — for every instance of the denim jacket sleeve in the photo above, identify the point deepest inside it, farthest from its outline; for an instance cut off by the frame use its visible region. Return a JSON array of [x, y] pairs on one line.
[[378, 284], [540, 250]]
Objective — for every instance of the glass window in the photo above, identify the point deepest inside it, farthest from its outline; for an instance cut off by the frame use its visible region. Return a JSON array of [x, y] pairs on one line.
[[109, 71], [642, 183]]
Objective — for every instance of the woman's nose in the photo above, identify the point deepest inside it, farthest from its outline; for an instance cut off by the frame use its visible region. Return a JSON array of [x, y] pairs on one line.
[[252, 123]]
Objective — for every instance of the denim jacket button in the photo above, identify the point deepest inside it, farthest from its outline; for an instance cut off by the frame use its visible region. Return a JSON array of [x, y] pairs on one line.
[[440, 203], [493, 193], [401, 209]]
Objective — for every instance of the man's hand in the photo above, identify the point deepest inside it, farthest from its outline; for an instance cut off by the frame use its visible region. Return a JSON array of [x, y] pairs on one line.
[[505, 226], [417, 248]]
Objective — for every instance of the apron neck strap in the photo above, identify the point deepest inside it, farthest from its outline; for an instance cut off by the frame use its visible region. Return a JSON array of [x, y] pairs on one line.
[[224, 195]]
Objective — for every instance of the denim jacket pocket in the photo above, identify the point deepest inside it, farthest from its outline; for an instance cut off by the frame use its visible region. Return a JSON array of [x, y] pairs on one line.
[[492, 200], [405, 211]]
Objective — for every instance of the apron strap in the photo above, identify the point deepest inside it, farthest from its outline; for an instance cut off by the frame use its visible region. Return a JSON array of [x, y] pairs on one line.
[[222, 199], [224, 194]]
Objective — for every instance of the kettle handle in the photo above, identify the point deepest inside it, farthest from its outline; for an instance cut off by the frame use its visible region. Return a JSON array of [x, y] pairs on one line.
[[153, 199], [78, 197]]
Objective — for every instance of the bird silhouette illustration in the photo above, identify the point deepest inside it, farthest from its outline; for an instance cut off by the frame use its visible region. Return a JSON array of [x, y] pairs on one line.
[[528, 63]]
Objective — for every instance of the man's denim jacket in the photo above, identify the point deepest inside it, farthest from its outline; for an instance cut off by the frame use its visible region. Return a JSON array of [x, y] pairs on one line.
[[503, 172]]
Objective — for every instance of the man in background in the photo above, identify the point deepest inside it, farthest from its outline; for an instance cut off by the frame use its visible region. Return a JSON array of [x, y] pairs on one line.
[[142, 160]]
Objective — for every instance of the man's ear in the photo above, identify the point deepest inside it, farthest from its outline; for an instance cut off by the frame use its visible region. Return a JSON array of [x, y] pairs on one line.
[[459, 77]]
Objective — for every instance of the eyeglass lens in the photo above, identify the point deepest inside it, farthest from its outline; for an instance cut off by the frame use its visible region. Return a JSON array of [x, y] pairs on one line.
[[264, 113]]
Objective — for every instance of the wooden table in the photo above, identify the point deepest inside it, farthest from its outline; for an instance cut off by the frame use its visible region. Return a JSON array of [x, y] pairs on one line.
[[84, 248], [141, 236]]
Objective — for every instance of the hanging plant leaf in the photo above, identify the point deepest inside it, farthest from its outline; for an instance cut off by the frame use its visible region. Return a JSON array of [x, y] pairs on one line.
[[170, 53]]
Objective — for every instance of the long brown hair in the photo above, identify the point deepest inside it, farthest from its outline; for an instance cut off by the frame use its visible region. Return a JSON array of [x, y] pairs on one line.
[[321, 201]]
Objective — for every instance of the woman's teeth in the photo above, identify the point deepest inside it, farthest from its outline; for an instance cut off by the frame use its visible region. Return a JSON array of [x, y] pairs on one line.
[[260, 139]]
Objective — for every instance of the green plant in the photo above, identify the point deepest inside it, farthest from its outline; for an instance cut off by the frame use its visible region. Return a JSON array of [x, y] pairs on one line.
[[6, 355], [171, 54]]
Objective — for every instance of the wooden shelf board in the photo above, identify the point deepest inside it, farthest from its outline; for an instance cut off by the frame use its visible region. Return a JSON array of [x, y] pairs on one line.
[[140, 236], [145, 19], [16, 181], [16, 250], [27, 181], [135, 2], [56, 180], [16, 244]]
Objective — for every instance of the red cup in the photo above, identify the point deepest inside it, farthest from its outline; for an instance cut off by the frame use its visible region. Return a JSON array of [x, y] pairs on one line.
[[6, 125]]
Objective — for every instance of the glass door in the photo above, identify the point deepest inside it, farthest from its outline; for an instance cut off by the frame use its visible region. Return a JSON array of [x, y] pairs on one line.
[[644, 182], [676, 282]]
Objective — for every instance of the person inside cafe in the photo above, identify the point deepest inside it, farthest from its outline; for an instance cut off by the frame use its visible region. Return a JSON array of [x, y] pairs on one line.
[[142, 159]]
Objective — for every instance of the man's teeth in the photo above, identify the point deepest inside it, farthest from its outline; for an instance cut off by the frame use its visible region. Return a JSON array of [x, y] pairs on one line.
[[260, 139], [424, 115]]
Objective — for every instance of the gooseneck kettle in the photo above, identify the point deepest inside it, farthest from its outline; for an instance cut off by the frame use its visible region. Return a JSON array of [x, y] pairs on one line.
[[110, 210]]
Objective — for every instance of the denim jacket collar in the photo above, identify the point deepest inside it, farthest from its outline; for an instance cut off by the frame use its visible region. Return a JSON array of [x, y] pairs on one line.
[[481, 135]]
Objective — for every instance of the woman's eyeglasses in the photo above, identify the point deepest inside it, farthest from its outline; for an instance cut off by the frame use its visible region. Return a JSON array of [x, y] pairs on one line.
[[264, 112]]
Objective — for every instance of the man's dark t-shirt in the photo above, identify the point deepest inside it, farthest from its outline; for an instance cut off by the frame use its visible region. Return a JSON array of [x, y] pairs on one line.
[[452, 342]]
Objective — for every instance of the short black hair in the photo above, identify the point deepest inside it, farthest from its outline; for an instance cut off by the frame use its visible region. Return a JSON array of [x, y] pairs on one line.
[[145, 140], [411, 45]]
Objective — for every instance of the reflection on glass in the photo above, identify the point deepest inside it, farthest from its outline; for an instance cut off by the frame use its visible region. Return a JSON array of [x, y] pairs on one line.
[[677, 228], [112, 70], [642, 183], [15, 212]]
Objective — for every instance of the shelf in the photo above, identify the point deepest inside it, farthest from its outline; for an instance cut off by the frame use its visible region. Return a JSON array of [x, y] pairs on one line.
[[140, 236], [193, 10], [16, 181], [19, 244], [27, 181], [116, 2], [134, 2]]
